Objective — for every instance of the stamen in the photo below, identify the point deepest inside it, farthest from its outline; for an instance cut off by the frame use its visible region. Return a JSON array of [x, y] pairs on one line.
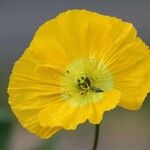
[[85, 85], [96, 89]]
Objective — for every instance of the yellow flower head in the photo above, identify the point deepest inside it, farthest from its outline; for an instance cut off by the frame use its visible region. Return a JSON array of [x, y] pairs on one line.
[[78, 66]]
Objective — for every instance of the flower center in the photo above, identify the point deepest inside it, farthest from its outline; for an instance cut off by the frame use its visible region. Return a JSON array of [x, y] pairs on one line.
[[84, 81], [85, 86]]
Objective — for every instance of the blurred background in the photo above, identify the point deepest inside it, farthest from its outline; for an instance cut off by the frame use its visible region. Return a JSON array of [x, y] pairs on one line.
[[120, 129]]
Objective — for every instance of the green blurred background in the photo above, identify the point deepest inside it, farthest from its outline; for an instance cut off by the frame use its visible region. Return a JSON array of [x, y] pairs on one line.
[[120, 129]]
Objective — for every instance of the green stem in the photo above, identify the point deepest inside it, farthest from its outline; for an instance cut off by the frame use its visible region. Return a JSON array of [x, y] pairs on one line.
[[96, 137]]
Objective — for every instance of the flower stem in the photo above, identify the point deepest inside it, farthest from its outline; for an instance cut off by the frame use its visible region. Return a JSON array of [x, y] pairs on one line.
[[96, 136]]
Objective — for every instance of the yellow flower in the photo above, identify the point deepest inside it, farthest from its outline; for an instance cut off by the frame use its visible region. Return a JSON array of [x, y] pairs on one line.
[[78, 66]]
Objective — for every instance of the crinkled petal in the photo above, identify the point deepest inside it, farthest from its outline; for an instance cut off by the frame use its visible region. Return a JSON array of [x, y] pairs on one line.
[[68, 116], [73, 34], [132, 74], [33, 85], [29, 120]]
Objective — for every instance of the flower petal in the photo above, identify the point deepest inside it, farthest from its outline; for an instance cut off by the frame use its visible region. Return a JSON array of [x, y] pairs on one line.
[[68, 116], [132, 74], [73, 34], [34, 85], [110, 101], [29, 120]]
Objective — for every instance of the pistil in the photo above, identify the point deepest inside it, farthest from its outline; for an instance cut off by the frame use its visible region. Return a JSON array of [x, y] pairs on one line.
[[85, 86]]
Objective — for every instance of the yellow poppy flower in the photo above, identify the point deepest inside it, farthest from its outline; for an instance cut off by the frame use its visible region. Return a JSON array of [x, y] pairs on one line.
[[78, 66]]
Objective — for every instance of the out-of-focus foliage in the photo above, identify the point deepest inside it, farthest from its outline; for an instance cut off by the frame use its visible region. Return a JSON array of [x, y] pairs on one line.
[[5, 128]]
